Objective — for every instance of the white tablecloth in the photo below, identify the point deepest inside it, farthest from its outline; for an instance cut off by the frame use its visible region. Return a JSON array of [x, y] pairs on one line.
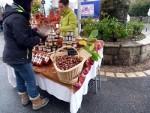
[[62, 92]]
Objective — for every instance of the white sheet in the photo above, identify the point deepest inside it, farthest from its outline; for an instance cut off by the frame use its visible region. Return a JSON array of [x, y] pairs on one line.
[[62, 92]]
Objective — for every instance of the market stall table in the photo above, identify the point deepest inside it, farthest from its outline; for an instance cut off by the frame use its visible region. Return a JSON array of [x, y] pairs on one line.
[[68, 93]]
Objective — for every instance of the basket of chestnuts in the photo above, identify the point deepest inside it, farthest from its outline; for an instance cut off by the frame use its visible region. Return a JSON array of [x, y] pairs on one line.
[[68, 67]]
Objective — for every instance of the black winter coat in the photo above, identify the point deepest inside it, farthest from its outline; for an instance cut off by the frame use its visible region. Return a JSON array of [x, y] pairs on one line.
[[18, 35]]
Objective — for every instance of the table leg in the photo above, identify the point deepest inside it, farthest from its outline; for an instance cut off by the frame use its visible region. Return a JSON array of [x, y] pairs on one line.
[[96, 83], [99, 78]]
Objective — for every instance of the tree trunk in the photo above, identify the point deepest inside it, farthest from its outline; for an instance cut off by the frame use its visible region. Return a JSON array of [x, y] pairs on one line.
[[115, 8]]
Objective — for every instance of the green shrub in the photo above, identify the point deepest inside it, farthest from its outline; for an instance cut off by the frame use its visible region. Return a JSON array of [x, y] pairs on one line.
[[112, 29], [137, 26], [87, 26]]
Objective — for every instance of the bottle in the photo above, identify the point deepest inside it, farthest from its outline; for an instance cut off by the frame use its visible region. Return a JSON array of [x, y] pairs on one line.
[[39, 61]]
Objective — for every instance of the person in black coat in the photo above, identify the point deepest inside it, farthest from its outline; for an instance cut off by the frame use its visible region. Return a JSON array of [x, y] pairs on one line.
[[19, 41]]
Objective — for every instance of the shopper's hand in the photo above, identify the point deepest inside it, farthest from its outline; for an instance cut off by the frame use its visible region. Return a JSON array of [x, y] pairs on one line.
[[44, 30], [58, 31]]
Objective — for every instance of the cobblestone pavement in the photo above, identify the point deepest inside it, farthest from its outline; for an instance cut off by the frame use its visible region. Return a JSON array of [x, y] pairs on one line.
[[126, 75]]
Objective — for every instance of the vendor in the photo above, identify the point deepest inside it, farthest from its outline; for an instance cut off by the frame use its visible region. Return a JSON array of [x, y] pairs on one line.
[[68, 18]]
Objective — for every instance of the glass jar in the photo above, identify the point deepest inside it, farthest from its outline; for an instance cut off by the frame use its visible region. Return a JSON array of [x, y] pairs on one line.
[[49, 35], [56, 36], [64, 38], [74, 44], [41, 48], [53, 48], [55, 42], [64, 43], [67, 38], [73, 38], [47, 59], [57, 25], [36, 47], [69, 43], [46, 43], [68, 33], [35, 60], [70, 38], [50, 43], [33, 57], [44, 48], [49, 49], [71, 33]]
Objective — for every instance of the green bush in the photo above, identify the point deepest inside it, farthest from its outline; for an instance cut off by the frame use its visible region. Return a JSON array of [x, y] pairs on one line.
[[110, 28], [88, 25], [137, 26], [139, 8]]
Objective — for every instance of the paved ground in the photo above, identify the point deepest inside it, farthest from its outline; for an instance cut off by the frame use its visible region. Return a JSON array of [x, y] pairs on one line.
[[118, 95]]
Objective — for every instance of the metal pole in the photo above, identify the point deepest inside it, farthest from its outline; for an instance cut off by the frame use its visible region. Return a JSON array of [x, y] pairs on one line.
[[44, 10], [79, 17], [43, 2]]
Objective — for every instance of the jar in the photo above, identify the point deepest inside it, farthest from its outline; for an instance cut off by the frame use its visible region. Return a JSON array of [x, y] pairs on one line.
[[47, 59], [33, 57], [49, 49], [40, 54], [68, 33], [36, 47], [46, 43], [64, 38], [55, 42], [69, 43], [67, 38], [41, 48], [71, 33], [50, 43], [57, 25], [44, 48], [56, 36], [73, 38], [74, 44], [35, 60], [44, 55], [53, 48], [37, 54], [49, 35], [39, 61], [70, 38], [64, 43]]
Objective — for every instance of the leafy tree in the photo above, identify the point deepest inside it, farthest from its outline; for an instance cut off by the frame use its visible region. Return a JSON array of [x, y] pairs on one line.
[[35, 7], [139, 8]]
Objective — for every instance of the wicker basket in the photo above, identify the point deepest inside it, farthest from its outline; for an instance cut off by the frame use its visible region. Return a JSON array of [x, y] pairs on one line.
[[70, 75]]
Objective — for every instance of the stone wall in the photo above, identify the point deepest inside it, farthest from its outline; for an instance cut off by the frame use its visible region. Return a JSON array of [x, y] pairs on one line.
[[127, 53]]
